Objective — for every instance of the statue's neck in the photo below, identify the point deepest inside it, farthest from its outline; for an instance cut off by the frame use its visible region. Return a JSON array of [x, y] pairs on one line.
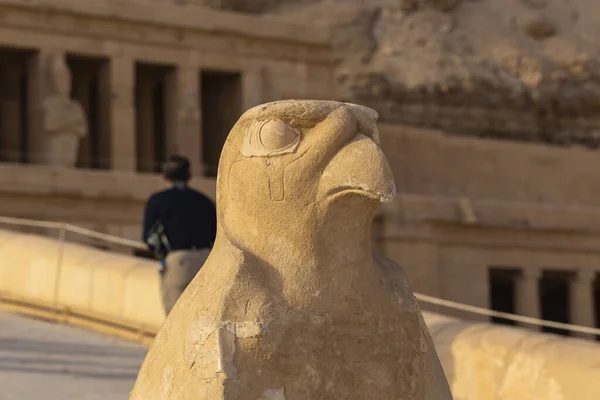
[[322, 262]]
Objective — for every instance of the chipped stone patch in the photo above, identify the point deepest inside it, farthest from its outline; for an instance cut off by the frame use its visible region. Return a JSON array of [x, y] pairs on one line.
[[274, 394]]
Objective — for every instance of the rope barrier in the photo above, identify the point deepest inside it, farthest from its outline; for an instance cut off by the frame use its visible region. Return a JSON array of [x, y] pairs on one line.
[[421, 297], [30, 222], [94, 163], [74, 229], [105, 237], [517, 318]]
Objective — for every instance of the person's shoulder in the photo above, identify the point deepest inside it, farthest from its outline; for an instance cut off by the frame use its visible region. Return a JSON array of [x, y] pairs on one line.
[[160, 195], [201, 195]]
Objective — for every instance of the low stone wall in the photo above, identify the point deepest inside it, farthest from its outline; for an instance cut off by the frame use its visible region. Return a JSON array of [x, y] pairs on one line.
[[120, 294], [80, 284], [493, 362]]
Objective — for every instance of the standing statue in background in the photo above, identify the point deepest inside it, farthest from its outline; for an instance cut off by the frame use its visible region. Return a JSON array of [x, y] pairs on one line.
[[65, 122], [292, 304]]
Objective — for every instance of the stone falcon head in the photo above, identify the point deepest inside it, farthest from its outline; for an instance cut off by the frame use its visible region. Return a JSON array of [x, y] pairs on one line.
[[287, 165], [292, 303]]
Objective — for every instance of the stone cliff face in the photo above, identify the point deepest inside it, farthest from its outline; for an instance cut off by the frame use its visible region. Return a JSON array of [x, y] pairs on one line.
[[520, 69]]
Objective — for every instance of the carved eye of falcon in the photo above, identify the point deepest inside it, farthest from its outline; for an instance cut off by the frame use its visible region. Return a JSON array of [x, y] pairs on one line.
[[270, 138]]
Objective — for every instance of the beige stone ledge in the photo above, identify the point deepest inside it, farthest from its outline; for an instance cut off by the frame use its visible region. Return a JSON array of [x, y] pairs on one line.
[[44, 180], [187, 17], [493, 182], [410, 207], [422, 217], [110, 38]]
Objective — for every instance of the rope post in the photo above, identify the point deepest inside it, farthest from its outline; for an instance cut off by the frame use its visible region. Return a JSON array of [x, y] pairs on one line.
[[62, 233]]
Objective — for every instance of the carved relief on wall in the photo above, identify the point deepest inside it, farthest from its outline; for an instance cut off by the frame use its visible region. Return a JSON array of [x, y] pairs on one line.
[[65, 121]]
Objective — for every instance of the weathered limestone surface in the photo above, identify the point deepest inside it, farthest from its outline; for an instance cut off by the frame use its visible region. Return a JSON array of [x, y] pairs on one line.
[[292, 303]]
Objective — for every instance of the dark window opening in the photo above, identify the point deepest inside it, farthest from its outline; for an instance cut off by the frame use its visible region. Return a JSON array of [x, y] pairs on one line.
[[14, 104], [159, 123], [555, 299], [88, 88], [597, 303], [24, 115], [151, 104], [221, 108], [502, 292]]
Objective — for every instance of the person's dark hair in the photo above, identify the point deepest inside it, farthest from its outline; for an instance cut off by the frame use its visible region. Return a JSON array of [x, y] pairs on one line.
[[177, 169]]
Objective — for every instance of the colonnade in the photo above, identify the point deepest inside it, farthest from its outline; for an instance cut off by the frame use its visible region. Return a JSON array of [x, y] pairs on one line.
[[137, 113], [581, 295]]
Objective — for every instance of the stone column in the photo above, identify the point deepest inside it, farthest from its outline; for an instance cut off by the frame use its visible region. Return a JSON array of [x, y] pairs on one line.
[[145, 134], [122, 113], [582, 301], [253, 79], [188, 140], [527, 294]]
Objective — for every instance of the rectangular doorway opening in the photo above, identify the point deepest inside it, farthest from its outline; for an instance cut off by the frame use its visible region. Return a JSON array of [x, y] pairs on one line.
[[555, 295], [15, 65], [89, 87], [502, 292], [221, 108], [152, 100]]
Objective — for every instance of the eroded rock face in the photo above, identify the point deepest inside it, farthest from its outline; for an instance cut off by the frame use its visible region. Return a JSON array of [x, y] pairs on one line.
[[292, 304], [536, 60]]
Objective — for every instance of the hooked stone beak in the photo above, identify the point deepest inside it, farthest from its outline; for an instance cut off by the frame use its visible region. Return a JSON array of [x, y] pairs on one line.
[[359, 167]]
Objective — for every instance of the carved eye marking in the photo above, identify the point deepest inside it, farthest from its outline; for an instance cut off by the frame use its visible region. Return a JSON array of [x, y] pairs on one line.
[[276, 135], [270, 138]]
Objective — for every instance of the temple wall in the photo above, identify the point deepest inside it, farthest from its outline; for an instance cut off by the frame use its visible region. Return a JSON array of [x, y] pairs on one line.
[[476, 219], [153, 78]]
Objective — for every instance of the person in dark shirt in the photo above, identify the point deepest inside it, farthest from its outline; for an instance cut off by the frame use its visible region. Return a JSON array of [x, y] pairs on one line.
[[189, 221]]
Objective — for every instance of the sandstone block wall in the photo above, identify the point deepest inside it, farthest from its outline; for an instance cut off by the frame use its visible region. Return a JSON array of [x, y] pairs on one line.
[[467, 207], [79, 279], [427, 161]]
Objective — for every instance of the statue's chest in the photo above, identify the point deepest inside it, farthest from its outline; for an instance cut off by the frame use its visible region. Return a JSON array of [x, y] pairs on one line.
[[337, 358], [62, 115]]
